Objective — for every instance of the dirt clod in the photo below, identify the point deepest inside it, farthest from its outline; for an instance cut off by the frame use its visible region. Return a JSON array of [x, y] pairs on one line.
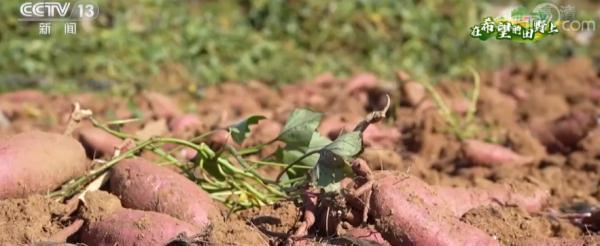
[[29, 220]]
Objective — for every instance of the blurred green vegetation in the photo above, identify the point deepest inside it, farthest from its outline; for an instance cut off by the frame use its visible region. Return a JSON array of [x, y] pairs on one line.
[[133, 42]]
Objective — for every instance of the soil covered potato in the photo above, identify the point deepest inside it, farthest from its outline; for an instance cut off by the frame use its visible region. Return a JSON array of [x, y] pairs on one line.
[[135, 227], [108, 223], [408, 212], [145, 186]]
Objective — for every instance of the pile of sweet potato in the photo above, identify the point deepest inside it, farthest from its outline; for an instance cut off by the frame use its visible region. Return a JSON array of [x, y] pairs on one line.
[[151, 205], [405, 210], [156, 205], [159, 204]]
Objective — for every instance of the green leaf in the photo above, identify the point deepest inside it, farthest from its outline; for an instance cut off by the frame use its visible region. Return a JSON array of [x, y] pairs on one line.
[[299, 128], [347, 145], [330, 169], [240, 130], [317, 142], [290, 154], [331, 166]]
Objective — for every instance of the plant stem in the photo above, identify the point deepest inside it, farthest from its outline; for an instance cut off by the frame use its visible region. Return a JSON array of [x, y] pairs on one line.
[[295, 162], [72, 187]]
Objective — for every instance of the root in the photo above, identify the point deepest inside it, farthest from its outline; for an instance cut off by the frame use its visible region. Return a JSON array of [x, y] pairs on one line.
[[76, 117], [310, 198]]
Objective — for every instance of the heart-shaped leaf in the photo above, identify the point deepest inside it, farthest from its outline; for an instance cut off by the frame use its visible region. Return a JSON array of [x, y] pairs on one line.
[[291, 154], [347, 145], [299, 128], [240, 130], [331, 168]]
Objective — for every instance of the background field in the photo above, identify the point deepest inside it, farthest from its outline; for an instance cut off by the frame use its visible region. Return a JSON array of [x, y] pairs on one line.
[[184, 44]]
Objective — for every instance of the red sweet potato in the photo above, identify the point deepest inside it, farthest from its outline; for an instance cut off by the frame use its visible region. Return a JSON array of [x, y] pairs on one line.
[[38, 162], [12, 103], [65, 233], [184, 123], [409, 212], [381, 137], [460, 105], [142, 185], [594, 95], [563, 134], [335, 124], [525, 195], [414, 92], [482, 153], [135, 227], [23, 96], [361, 82], [97, 142], [219, 139], [368, 235], [325, 80], [162, 106]]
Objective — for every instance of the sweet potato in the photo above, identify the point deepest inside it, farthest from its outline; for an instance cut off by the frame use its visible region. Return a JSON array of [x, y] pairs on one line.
[[482, 153], [381, 137], [13, 103], [361, 82], [263, 132], [65, 233], [219, 139], [414, 92], [366, 235], [573, 127], [162, 106], [563, 134], [142, 185], [184, 123], [594, 95], [97, 142], [23, 96], [459, 105], [135, 227], [38, 162], [325, 80], [460, 200], [335, 124], [409, 212]]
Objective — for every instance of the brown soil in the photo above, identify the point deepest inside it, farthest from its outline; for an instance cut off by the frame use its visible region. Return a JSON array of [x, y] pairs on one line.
[[34, 219], [508, 225], [257, 226], [99, 204], [235, 230], [274, 221]]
